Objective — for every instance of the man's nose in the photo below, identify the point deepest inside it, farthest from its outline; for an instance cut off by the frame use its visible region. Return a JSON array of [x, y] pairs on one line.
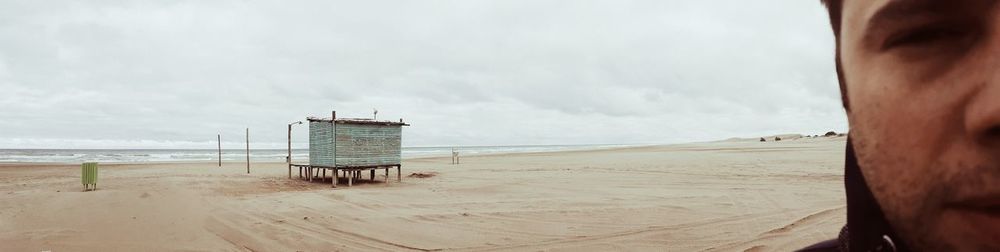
[[982, 118]]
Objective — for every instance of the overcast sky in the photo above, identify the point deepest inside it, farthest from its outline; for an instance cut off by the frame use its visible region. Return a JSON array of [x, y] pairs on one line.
[[173, 74]]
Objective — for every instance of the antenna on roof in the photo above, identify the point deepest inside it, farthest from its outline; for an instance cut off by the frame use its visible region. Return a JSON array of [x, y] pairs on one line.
[[375, 115]]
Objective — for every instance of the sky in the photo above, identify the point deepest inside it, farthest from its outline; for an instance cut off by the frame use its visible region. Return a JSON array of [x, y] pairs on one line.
[[175, 74]]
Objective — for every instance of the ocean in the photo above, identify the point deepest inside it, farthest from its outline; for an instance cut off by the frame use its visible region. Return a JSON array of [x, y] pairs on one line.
[[258, 155]]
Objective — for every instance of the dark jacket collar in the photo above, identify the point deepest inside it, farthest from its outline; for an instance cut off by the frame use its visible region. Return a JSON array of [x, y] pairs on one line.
[[867, 229]]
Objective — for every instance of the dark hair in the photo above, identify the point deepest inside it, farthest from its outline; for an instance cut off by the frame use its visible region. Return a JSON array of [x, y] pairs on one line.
[[834, 7]]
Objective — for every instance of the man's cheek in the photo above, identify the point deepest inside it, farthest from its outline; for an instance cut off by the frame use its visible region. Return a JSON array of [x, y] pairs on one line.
[[894, 178]]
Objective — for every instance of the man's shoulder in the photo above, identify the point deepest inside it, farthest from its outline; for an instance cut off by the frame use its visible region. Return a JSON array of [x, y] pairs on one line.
[[832, 245]]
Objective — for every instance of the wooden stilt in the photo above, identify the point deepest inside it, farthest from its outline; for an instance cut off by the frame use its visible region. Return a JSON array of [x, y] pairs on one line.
[[373, 174], [220, 149], [387, 175], [399, 173], [248, 150], [350, 180], [334, 180]]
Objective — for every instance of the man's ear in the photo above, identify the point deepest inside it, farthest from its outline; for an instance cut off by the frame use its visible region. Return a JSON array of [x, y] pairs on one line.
[[840, 78], [834, 9]]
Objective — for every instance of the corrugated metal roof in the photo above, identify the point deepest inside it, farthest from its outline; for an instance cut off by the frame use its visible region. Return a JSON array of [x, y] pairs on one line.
[[357, 121]]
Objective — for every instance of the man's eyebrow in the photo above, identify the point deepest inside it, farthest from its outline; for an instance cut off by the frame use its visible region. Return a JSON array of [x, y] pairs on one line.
[[897, 11]]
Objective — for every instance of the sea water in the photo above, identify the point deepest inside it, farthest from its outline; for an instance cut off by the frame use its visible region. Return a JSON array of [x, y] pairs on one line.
[[258, 155]]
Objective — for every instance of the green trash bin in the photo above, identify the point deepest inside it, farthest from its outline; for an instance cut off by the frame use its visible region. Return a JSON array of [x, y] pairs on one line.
[[89, 175]]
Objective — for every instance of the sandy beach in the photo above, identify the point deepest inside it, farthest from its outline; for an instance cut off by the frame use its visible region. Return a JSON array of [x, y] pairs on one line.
[[720, 196]]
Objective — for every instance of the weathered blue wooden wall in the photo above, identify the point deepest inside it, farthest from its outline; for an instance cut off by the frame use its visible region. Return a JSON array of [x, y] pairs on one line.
[[356, 144], [321, 147], [368, 144]]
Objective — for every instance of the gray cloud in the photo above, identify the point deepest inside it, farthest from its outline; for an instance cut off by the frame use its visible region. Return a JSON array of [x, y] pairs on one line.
[[175, 73]]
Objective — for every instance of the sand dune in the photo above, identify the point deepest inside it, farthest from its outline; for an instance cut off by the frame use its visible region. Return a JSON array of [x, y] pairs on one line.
[[723, 196]]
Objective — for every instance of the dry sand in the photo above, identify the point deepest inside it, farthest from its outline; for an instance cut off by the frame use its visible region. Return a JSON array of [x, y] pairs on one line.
[[722, 196]]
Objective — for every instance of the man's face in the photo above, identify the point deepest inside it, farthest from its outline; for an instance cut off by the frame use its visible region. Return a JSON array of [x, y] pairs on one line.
[[923, 84]]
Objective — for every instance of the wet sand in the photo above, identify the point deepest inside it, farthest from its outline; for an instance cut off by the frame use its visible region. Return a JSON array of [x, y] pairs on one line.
[[722, 196]]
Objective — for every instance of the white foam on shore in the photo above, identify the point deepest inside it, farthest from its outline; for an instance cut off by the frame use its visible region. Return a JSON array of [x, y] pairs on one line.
[[267, 155]]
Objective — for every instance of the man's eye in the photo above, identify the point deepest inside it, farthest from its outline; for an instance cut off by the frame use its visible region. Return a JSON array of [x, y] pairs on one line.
[[924, 37]]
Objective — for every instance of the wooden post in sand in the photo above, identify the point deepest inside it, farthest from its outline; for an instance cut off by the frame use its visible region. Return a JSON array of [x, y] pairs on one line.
[[248, 150], [289, 158], [220, 150], [333, 144], [336, 175]]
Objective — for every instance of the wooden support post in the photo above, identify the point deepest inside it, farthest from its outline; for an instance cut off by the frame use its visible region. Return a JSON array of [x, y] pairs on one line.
[[248, 150], [324, 174], [373, 174], [333, 137], [386, 174], [289, 158], [220, 149], [350, 180], [335, 177], [399, 173]]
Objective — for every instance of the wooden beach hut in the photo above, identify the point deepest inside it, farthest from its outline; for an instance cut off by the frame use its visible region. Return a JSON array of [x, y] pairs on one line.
[[350, 146]]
